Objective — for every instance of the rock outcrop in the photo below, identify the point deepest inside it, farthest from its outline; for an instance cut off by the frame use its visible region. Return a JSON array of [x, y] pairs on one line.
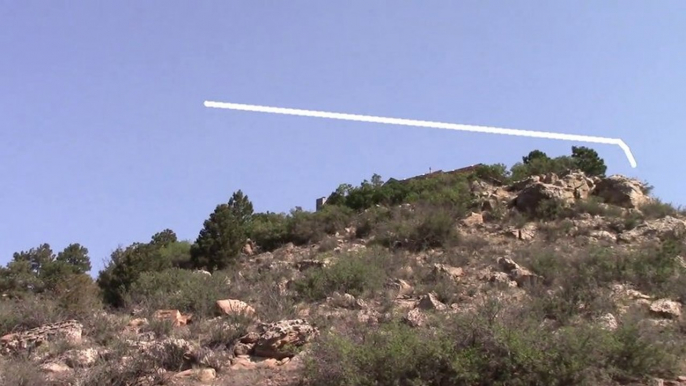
[[281, 339], [661, 229], [621, 191], [69, 330]]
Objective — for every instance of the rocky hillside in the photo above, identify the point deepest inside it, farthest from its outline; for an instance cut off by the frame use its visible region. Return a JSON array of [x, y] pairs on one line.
[[554, 279]]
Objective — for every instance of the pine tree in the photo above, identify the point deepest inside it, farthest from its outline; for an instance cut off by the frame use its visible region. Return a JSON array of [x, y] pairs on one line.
[[223, 234]]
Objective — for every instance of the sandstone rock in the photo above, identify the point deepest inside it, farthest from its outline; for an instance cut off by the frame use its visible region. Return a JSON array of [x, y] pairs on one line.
[[526, 233], [430, 302], [415, 318], [234, 307], [473, 219], [501, 277], [278, 340], [248, 248], [134, 326], [81, 358], [399, 286], [447, 271], [521, 184], [621, 191], [15, 342], [603, 235], [205, 376], [622, 290], [608, 322], [370, 317], [518, 274], [479, 187], [245, 362], [346, 301], [243, 348], [531, 197], [661, 228], [55, 368], [666, 308], [580, 185], [174, 316]]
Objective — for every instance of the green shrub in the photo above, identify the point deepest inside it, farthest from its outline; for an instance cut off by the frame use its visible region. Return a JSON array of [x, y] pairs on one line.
[[420, 228], [550, 210], [78, 297], [497, 173], [305, 228], [366, 222], [126, 264], [493, 345], [594, 206], [175, 288], [29, 312], [439, 189], [269, 230], [656, 209], [357, 275], [584, 275]]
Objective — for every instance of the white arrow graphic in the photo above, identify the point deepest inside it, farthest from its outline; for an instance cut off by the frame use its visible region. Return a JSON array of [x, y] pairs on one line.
[[436, 125]]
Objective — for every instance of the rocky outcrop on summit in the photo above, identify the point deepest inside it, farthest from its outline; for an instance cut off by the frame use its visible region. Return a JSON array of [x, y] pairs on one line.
[[533, 190], [615, 190], [621, 191]]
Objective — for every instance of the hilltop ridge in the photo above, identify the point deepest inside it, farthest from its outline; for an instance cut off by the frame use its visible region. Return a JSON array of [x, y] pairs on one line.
[[549, 272]]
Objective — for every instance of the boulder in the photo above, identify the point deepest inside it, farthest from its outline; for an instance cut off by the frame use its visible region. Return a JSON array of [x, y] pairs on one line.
[[234, 307], [608, 322], [621, 191], [454, 273], [531, 197], [525, 233], [577, 183], [666, 308], [415, 318], [431, 302], [399, 287], [280, 339], [346, 300], [204, 376], [81, 358], [174, 316], [517, 273], [472, 220]]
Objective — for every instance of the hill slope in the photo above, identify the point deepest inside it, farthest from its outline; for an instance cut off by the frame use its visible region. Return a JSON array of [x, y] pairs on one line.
[[479, 279]]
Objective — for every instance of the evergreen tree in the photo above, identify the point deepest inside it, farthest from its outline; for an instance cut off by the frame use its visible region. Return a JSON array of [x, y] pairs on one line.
[[588, 161], [223, 235], [164, 238], [76, 257], [533, 155]]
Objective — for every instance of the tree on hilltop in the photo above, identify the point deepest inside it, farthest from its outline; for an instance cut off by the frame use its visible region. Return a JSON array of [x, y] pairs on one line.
[[588, 161], [223, 235], [533, 155]]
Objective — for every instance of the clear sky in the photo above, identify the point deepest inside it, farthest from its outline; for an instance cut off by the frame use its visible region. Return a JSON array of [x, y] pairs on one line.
[[104, 139]]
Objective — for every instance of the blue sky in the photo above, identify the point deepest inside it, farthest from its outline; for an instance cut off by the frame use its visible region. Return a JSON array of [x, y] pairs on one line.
[[104, 139]]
